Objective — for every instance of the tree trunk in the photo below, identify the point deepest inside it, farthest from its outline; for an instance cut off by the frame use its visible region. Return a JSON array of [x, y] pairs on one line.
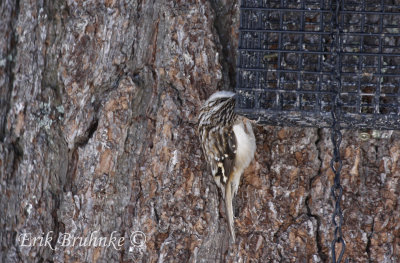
[[99, 103]]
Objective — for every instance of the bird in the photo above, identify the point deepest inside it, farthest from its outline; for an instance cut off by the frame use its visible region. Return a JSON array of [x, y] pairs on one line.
[[229, 145]]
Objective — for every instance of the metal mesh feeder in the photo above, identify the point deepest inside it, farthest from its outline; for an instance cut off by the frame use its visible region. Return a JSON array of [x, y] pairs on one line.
[[295, 56]]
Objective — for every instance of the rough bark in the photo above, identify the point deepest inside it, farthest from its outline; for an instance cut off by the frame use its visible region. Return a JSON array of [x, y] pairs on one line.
[[98, 133]]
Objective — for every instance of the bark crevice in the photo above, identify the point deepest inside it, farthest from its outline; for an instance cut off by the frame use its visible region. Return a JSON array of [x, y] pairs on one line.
[[368, 246], [11, 53], [318, 241], [224, 14]]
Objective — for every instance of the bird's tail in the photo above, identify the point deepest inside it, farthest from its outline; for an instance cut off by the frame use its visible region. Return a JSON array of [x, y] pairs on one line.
[[229, 209]]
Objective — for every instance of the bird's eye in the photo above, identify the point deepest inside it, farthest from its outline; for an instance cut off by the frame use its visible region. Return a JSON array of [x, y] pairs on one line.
[[219, 172]]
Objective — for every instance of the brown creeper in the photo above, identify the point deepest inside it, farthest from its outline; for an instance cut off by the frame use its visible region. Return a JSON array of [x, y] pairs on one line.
[[228, 144]]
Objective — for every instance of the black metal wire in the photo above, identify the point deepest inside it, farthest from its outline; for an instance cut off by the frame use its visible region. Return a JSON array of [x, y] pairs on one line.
[[336, 192], [336, 135]]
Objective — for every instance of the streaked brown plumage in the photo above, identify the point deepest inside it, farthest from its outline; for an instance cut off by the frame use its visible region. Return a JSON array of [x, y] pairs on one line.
[[228, 144]]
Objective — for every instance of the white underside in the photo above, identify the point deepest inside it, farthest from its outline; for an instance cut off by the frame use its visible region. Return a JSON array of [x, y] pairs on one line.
[[245, 149]]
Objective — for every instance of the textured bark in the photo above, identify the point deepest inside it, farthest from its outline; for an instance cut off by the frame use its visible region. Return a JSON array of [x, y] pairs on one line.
[[98, 133]]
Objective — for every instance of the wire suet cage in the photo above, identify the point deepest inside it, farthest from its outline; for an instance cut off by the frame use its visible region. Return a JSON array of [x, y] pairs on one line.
[[295, 56]]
